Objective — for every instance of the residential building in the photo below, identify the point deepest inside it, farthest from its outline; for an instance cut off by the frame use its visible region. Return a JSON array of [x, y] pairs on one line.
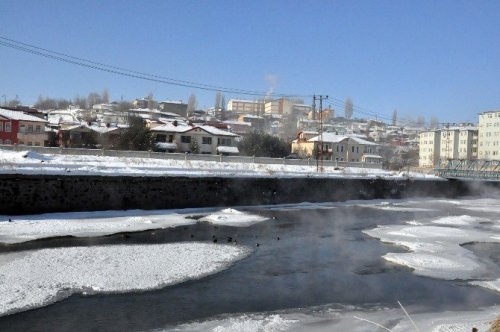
[[175, 107], [201, 139], [258, 123], [253, 107], [286, 106], [489, 135], [429, 148], [336, 147], [17, 127], [459, 142]]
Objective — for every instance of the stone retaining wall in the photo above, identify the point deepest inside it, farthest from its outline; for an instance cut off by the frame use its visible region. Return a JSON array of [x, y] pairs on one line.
[[31, 194]]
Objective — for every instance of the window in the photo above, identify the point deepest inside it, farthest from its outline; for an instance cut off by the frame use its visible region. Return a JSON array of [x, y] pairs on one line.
[[22, 128], [30, 128], [207, 140], [224, 141], [8, 128], [353, 150], [21, 142], [8, 142], [30, 143], [37, 143], [38, 129], [185, 139]]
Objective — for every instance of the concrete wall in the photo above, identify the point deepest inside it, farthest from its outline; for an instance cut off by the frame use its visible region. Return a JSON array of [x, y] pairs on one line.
[[30, 194]]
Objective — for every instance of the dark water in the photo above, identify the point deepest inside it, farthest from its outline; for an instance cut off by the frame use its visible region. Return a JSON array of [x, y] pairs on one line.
[[304, 257]]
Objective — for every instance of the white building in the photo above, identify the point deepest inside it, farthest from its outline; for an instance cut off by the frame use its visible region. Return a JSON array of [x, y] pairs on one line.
[[337, 147], [429, 147], [489, 135], [448, 143], [194, 139]]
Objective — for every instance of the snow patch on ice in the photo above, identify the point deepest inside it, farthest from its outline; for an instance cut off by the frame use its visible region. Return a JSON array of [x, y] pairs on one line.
[[33, 279], [232, 217], [492, 284], [435, 246], [341, 318], [86, 224]]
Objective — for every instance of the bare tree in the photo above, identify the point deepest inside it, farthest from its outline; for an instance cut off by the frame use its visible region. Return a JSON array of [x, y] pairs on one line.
[[80, 102], [420, 121], [105, 96], [218, 101], [151, 101], [394, 117], [434, 122], [93, 98], [349, 108], [14, 102], [192, 104]]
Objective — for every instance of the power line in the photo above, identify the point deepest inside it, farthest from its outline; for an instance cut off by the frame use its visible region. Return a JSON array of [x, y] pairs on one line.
[[58, 56]]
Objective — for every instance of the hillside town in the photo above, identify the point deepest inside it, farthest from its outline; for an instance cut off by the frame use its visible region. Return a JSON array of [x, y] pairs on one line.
[[310, 132]]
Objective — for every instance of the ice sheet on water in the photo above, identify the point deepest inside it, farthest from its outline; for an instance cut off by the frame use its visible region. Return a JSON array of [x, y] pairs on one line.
[[36, 278], [86, 224], [232, 217], [89, 224], [492, 284], [435, 246], [353, 319]]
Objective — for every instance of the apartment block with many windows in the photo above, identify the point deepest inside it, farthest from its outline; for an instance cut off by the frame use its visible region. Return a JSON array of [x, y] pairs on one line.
[[489, 135]]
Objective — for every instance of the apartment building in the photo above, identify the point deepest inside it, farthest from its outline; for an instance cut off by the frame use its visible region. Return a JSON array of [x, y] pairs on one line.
[[448, 143], [254, 107], [489, 135], [285, 106], [429, 148]]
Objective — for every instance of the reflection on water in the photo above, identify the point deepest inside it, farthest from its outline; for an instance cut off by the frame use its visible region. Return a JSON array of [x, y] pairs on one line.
[[302, 258]]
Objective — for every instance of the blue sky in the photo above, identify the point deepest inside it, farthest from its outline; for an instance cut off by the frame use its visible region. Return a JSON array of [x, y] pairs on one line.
[[423, 58]]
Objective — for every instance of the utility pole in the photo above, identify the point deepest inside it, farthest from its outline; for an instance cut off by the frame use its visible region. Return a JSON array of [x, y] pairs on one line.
[[319, 156]]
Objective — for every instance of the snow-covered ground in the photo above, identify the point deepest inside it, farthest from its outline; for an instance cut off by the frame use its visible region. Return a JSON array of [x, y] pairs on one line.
[[28, 162]]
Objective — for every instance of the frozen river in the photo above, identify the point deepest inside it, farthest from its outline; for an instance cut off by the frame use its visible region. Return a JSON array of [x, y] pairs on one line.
[[271, 268]]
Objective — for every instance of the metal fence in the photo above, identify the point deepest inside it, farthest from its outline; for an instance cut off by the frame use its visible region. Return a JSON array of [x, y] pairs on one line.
[[478, 169], [183, 156]]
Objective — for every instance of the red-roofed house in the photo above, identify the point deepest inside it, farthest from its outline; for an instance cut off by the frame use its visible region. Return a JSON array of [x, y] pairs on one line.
[[17, 127]]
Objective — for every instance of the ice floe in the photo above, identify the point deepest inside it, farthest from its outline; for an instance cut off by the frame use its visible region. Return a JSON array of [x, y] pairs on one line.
[[232, 217], [100, 223], [436, 249], [36, 278]]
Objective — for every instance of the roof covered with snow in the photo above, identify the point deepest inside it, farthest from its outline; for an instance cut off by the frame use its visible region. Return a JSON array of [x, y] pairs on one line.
[[18, 115], [171, 128]]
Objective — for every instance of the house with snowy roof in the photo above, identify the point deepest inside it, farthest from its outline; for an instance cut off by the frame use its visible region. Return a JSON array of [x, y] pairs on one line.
[[331, 146], [17, 127], [203, 139], [84, 135]]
